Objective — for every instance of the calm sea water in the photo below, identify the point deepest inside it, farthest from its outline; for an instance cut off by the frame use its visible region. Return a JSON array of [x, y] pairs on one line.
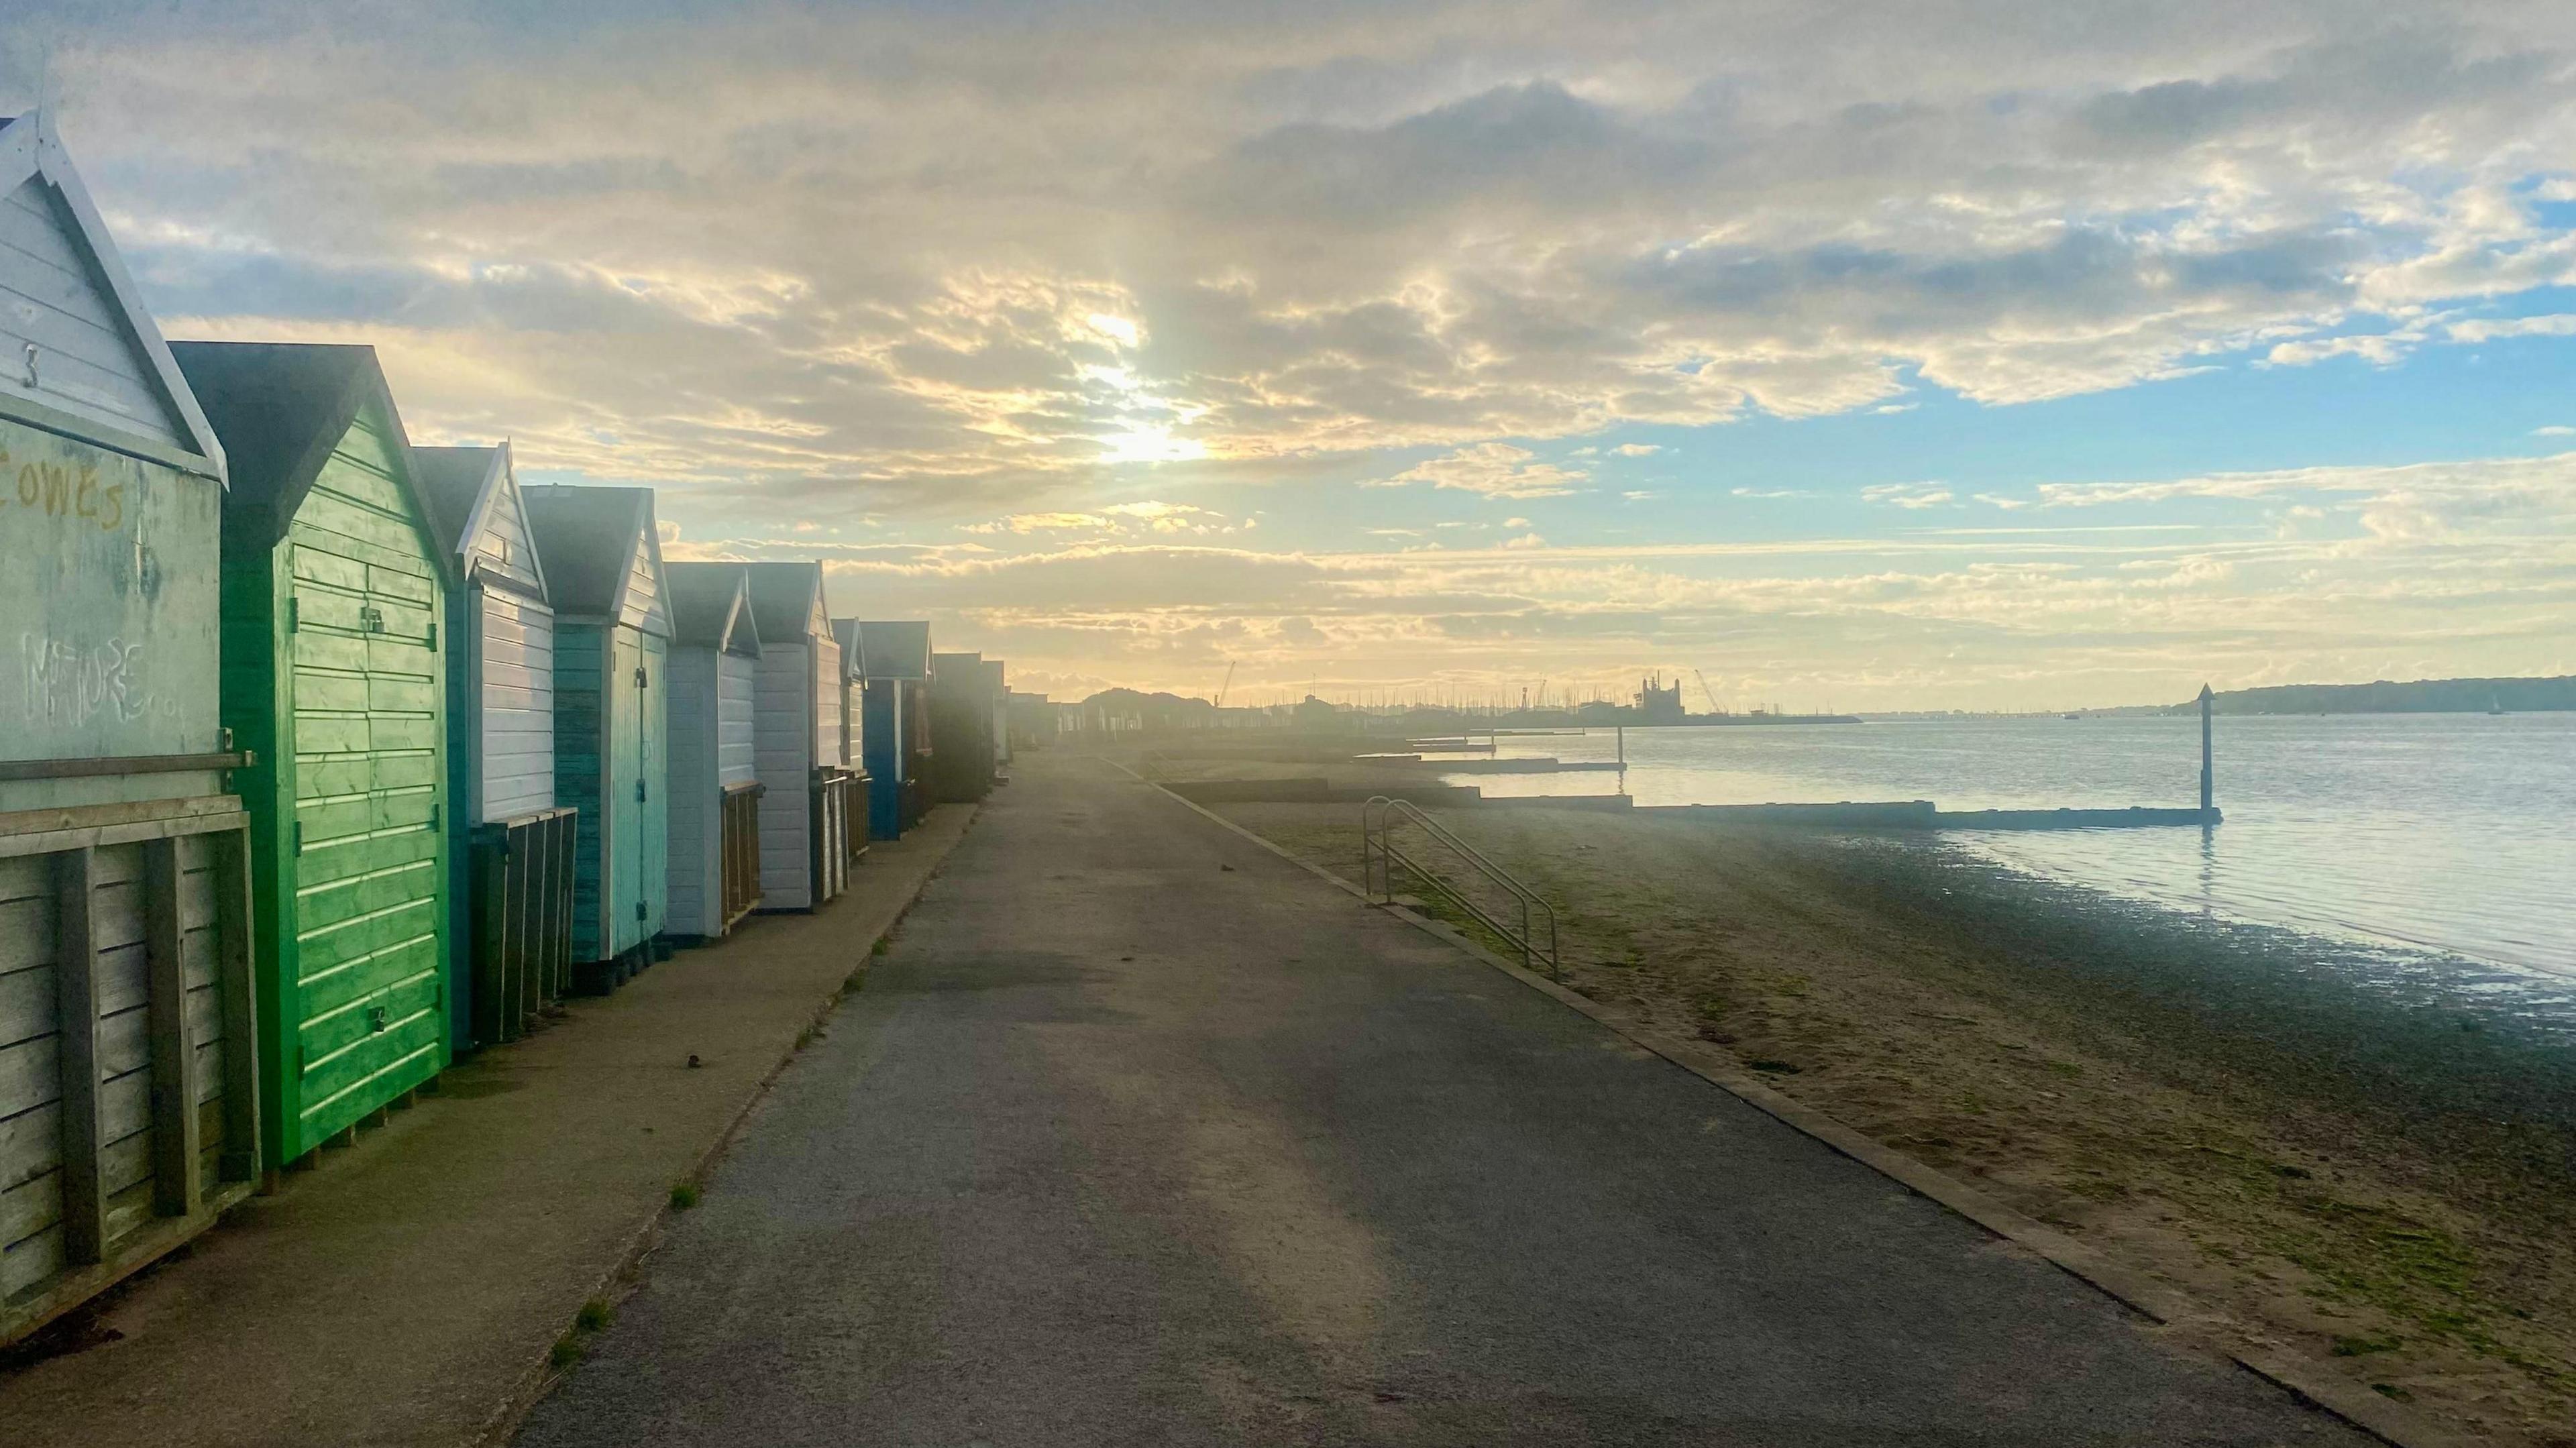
[[2447, 832]]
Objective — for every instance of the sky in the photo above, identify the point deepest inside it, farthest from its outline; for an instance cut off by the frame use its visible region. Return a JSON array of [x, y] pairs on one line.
[[1939, 355]]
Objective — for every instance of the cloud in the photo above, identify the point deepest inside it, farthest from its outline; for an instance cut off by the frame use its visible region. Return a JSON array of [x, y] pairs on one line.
[[2008, 504], [880, 263], [2345, 573], [1906, 495], [1495, 469], [1116, 518], [1636, 450], [881, 272], [2385, 350], [2554, 430], [2487, 330]]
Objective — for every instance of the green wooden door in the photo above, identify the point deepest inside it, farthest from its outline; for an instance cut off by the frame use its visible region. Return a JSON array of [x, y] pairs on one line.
[[653, 709], [366, 942]]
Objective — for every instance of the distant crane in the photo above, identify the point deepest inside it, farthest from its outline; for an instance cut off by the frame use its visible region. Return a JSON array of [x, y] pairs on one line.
[[1223, 688], [1714, 706]]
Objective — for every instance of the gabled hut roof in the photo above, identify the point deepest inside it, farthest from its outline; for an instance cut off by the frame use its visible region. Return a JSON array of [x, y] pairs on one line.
[[163, 420], [898, 649], [461, 486], [588, 540], [280, 409], [854, 651], [785, 598], [711, 607]]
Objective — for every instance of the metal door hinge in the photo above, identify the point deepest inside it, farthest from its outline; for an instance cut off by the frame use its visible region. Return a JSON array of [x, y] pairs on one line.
[[433, 633], [294, 614], [640, 912], [639, 791], [299, 837]]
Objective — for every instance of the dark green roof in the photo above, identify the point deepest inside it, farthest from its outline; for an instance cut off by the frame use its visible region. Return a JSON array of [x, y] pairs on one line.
[[452, 480], [782, 599], [279, 408], [584, 537], [703, 606], [898, 649]]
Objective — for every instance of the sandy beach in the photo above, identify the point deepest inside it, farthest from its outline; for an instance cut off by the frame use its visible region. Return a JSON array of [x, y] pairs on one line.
[[2326, 1145]]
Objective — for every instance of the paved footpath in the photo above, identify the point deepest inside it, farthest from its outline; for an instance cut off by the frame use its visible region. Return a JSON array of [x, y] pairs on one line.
[[1142, 1135]]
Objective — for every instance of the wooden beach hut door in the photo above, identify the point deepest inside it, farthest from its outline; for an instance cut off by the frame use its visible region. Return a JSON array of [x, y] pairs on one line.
[[367, 737], [627, 778], [653, 712]]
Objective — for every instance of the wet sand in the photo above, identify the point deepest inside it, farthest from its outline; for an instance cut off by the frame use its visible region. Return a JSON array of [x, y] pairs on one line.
[[2339, 1149]]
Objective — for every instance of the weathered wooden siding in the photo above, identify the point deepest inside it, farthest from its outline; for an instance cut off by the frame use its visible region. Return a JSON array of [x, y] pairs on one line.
[[31, 1160], [580, 653], [737, 749], [784, 734], [644, 606], [694, 794], [109, 594], [502, 545], [517, 707], [369, 840], [827, 700], [86, 361]]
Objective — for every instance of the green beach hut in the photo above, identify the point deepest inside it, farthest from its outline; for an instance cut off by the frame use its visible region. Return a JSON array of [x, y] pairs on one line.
[[603, 564], [333, 678]]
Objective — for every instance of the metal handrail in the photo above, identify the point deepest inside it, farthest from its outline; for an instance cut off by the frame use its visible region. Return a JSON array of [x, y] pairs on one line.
[[1379, 857]]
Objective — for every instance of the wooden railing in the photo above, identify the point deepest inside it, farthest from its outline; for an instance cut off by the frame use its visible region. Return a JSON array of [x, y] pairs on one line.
[[521, 910], [839, 808]]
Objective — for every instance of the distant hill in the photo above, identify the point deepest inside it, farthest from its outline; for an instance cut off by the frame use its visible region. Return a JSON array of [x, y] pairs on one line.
[[2424, 696], [1155, 711]]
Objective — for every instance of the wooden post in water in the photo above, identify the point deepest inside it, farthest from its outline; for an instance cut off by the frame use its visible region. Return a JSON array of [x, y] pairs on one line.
[[2206, 783]]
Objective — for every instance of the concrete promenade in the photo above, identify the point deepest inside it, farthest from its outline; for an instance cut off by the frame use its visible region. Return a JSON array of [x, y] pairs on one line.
[[1143, 1135], [405, 1294]]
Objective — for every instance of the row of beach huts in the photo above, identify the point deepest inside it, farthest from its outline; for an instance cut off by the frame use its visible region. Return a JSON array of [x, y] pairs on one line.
[[325, 758]]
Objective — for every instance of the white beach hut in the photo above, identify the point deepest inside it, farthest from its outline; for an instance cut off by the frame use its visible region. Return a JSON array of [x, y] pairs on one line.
[[805, 816], [512, 846], [715, 787]]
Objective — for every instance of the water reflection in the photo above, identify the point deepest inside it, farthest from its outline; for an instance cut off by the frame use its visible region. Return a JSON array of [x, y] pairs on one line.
[[2445, 832]]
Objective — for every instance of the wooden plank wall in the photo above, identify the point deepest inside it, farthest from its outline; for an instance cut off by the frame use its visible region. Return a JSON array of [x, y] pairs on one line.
[[783, 727], [694, 794], [126, 1065], [517, 707], [369, 1019], [579, 650], [87, 363]]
